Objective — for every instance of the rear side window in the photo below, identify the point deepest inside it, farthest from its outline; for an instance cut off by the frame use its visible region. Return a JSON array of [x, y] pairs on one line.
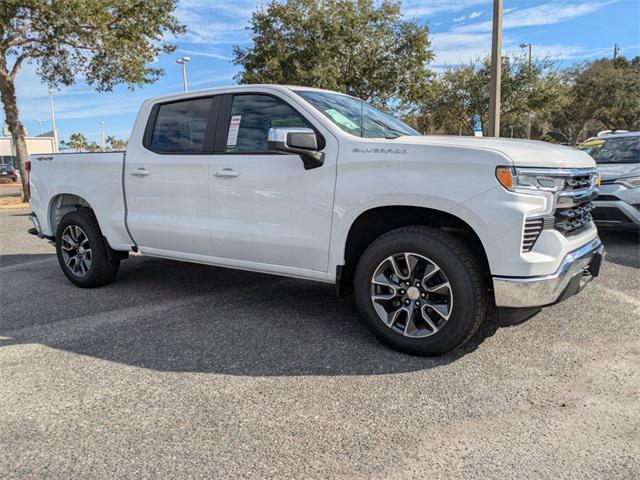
[[251, 118], [180, 127]]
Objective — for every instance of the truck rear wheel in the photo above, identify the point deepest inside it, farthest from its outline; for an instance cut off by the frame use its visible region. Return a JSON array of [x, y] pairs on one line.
[[83, 253], [420, 290]]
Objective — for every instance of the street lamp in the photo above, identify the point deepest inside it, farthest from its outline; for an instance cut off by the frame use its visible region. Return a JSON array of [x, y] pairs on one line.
[[102, 134], [41, 122], [528, 46], [53, 121], [183, 61]]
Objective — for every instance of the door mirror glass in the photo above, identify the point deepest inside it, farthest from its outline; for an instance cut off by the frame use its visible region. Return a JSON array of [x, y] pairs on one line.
[[302, 141]]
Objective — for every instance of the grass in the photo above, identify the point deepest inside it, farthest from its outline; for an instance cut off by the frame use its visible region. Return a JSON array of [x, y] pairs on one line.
[[9, 203]]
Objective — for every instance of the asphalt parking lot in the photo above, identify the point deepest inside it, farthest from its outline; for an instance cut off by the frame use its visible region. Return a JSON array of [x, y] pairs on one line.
[[185, 371]]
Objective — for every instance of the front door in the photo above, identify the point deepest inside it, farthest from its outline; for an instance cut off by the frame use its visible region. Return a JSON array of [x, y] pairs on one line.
[[167, 179], [265, 206]]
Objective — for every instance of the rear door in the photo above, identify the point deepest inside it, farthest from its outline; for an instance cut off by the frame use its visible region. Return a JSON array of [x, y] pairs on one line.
[[265, 206], [167, 181]]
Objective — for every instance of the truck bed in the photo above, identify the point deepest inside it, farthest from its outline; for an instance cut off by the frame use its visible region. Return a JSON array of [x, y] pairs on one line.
[[62, 181]]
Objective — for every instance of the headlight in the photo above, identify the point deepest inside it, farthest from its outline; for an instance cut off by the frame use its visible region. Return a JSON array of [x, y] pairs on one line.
[[529, 180], [630, 182]]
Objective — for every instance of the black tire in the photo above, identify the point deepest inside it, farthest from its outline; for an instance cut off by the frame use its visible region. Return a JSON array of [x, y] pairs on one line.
[[105, 262], [461, 268]]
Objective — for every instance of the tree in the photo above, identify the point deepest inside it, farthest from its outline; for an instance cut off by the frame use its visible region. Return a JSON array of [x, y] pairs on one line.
[[603, 94], [108, 42], [361, 47], [114, 144], [460, 92], [77, 142]]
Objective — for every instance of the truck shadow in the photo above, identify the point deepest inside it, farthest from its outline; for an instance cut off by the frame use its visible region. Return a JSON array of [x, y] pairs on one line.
[[179, 317]]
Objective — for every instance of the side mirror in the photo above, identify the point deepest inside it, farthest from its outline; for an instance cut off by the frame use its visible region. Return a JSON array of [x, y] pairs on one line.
[[302, 141]]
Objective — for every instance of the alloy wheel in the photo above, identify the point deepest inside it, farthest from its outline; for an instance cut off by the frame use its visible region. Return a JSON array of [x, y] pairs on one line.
[[76, 250], [411, 295]]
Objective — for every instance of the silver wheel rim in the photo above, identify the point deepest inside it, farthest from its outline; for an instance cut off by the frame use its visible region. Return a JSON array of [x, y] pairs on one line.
[[76, 251], [411, 295]]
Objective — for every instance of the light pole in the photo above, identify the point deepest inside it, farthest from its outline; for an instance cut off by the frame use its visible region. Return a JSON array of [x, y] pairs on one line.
[[183, 61], [496, 70], [102, 134], [53, 121], [41, 122], [528, 46]]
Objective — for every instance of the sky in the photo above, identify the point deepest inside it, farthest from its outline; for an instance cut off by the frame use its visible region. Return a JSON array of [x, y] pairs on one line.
[[568, 31]]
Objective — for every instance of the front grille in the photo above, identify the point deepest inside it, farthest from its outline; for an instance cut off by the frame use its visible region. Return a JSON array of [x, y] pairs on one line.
[[532, 229], [573, 206], [578, 182], [570, 221], [574, 203]]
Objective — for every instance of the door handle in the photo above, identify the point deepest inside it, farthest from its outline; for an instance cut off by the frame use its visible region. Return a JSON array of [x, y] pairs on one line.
[[140, 172], [226, 172]]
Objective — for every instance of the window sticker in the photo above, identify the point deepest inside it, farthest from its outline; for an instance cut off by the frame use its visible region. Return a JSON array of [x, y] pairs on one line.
[[234, 126], [341, 119]]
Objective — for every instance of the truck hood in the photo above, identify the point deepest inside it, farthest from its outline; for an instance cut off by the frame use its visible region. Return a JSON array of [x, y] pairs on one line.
[[614, 171], [523, 153]]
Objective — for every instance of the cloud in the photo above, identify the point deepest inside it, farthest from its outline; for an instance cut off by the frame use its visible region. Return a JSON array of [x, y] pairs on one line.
[[455, 48], [466, 42], [199, 53], [420, 8], [542, 14], [471, 16], [215, 23]]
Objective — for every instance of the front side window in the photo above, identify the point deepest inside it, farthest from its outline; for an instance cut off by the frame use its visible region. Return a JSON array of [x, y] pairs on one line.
[[613, 150], [355, 116], [251, 118], [180, 127]]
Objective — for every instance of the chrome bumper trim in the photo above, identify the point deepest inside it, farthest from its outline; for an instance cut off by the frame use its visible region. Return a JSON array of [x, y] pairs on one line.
[[527, 292]]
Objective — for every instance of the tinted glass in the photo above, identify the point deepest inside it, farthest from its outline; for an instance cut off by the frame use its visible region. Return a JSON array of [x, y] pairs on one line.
[[180, 126], [355, 116], [251, 118], [613, 150]]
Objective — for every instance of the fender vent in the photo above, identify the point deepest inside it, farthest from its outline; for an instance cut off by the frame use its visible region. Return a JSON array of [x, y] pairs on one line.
[[532, 229]]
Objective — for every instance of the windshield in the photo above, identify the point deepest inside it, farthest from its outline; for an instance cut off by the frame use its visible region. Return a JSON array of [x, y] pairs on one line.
[[355, 116], [613, 150]]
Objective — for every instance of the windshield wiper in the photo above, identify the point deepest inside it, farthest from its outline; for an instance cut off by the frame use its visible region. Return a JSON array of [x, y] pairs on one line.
[[388, 128]]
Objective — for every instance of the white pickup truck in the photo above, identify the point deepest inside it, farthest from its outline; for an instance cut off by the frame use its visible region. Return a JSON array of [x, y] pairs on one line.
[[428, 231]]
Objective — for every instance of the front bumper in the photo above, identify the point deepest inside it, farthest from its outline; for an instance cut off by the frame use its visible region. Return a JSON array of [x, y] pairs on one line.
[[576, 270]]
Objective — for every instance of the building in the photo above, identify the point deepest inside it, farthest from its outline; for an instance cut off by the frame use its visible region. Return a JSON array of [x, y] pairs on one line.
[[43, 143]]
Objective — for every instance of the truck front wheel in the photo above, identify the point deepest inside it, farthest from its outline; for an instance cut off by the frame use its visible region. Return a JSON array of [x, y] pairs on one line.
[[84, 255], [420, 290]]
